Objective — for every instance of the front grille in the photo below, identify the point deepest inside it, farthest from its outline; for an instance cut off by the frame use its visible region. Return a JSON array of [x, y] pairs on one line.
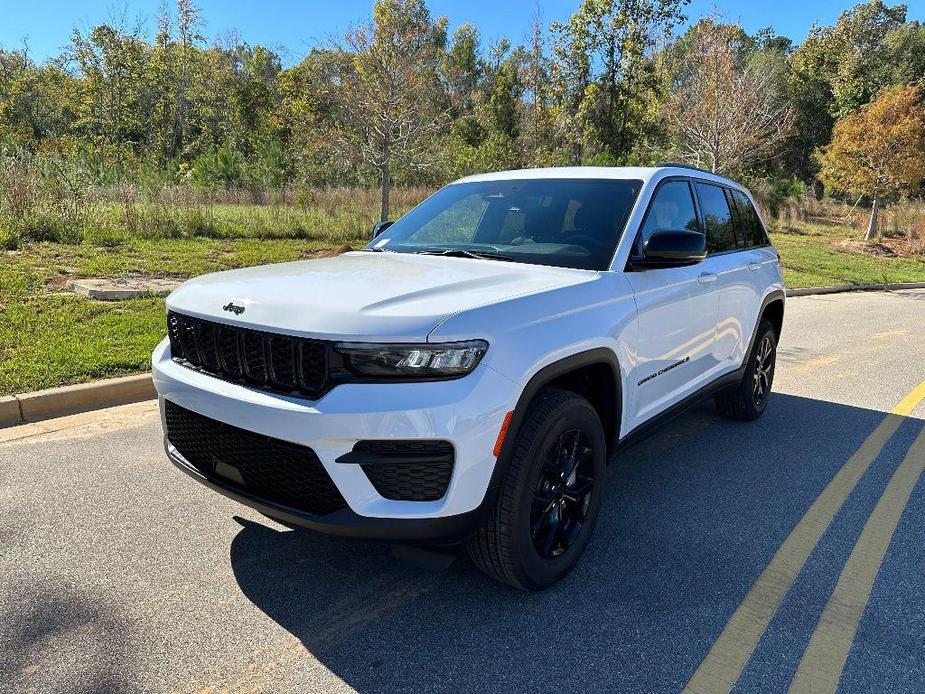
[[276, 471], [279, 363], [406, 470]]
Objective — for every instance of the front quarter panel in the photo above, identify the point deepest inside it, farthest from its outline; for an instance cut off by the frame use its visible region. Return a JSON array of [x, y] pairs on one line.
[[528, 333]]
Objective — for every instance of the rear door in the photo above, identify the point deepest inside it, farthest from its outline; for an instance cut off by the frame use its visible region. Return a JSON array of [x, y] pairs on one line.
[[676, 312], [760, 265], [727, 263]]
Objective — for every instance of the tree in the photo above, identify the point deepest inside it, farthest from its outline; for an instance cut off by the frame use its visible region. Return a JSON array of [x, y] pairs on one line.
[[390, 104], [839, 68], [604, 75], [189, 19], [878, 151], [725, 107]]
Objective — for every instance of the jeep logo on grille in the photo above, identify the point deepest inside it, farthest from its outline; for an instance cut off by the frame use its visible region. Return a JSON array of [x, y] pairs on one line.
[[233, 308]]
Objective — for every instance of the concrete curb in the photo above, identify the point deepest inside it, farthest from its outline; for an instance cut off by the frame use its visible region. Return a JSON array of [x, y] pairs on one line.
[[58, 402], [811, 291]]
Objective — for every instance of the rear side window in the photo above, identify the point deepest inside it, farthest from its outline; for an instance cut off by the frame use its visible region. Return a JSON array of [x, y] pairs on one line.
[[717, 217], [671, 208], [751, 223]]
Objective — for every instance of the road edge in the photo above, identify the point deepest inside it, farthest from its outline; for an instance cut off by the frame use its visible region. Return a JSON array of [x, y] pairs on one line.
[[892, 286], [67, 400]]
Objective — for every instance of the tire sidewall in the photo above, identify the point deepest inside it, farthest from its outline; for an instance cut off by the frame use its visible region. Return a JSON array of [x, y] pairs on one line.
[[577, 414], [765, 330]]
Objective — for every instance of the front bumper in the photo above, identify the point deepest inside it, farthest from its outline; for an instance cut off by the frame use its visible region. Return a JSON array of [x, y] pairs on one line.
[[346, 523], [467, 412]]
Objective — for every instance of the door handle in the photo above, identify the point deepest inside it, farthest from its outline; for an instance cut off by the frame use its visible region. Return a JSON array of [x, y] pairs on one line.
[[706, 277], [754, 267]]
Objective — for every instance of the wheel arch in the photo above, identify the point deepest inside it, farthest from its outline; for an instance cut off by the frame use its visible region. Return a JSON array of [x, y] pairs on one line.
[[593, 374], [772, 309]]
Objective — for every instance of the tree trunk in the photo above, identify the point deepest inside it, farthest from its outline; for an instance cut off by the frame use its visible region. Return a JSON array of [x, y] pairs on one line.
[[384, 193], [872, 226]]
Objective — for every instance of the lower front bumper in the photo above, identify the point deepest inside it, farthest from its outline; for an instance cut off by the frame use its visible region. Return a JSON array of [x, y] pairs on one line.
[[445, 530]]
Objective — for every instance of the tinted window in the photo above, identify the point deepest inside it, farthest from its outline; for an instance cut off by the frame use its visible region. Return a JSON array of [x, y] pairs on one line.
[[751, 223], [718, 219], [672, 208], [736, 220], [565, 222]]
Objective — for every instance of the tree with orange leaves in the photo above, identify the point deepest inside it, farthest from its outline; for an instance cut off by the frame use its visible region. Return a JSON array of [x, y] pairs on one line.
[[878, 150]]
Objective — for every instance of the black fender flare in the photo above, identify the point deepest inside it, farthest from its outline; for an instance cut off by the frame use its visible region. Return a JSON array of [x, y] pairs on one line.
[[770, 298], [542, 378]]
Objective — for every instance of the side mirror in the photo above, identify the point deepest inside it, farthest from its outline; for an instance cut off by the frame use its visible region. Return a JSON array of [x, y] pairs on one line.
[[672, 248], [380, 227]]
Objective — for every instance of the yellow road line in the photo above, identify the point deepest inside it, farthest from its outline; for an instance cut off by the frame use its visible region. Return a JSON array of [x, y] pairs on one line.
[[824, 659], [721, 669], [723, 665], [909, 403]]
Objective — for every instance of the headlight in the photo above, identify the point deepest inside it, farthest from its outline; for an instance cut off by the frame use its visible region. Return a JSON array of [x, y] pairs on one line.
[[445, 360]]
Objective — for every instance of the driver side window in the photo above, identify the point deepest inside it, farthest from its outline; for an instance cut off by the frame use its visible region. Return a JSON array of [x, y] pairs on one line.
[[671, 208]]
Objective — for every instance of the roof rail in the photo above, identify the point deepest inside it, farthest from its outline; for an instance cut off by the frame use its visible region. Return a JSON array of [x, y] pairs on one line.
[[679, 165]]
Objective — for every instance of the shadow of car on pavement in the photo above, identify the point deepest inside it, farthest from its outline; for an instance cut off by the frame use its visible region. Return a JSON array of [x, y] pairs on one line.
[[691, 517]]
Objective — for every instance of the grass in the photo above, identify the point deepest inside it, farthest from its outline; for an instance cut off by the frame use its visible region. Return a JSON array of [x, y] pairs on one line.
[[815, 255], [49, 338]]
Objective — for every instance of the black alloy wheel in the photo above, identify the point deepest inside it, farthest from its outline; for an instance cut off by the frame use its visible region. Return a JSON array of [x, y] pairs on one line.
[[764, 370], [562, 495]]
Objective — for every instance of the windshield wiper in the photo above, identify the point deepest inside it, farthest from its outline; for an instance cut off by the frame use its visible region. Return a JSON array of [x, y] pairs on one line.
[[465, 253]]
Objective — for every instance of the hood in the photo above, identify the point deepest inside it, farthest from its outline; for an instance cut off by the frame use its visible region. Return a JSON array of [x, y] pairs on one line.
[[363, 295]]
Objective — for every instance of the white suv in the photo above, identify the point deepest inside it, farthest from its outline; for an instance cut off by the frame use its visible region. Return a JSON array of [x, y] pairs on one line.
[[466, 376]]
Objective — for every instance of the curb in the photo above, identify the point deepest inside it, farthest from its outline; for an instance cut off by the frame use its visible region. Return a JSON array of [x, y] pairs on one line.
[[59, 402], [811, 291]]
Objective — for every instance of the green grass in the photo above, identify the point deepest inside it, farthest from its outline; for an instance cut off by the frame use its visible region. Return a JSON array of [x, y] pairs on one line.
[[813, 256], [48, 338]]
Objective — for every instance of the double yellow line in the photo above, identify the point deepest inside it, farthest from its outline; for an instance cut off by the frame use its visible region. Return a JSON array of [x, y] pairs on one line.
[[824, 658]]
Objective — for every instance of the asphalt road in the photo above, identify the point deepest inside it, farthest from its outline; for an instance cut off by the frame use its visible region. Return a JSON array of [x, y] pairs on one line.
[[719, 548]]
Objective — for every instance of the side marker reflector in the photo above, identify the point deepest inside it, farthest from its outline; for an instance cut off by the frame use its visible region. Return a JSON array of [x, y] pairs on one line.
[[502, 433]]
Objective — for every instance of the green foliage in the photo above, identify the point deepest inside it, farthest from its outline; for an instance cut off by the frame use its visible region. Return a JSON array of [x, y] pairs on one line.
[[219, 167], [399, 102]]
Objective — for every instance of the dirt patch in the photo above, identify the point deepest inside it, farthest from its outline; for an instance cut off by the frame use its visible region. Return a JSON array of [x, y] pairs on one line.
[[57, 283], [878, 249], [892, 247], [327, 252], [790, 231]]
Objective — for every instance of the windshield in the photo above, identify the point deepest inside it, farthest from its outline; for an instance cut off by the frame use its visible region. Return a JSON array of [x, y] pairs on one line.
[[572, 223]]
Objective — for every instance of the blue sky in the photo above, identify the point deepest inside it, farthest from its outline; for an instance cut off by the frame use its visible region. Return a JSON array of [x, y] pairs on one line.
[[297, 26]]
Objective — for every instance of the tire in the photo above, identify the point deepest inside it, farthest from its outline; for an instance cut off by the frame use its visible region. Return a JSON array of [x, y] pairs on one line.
[[749, 400], [542, 521]]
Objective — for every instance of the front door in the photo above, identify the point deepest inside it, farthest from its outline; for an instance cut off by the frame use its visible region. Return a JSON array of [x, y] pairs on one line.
[[677, 311]]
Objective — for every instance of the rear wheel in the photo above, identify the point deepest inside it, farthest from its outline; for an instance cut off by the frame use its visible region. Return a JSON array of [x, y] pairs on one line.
[[550, 496], [749, 400]]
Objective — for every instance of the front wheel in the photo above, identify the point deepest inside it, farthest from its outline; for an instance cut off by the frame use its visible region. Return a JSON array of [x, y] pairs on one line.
[[550, 496], [749, 400]]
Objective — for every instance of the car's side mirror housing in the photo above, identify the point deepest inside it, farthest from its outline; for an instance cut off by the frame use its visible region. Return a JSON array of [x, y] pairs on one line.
[[671, 248], [379, 227]]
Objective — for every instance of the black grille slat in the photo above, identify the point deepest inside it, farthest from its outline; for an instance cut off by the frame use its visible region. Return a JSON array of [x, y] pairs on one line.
[[280, 363], [230, 352], [271, 469], [188, 339], [408, 470], [255, 356], [313, 364], [208, 347], [174, 331]]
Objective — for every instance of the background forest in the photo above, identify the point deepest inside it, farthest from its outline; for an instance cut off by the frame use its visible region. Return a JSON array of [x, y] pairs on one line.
[[150, 150]]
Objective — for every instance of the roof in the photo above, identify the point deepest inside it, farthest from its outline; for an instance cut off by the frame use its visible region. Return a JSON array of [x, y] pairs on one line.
[[638, 173]]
